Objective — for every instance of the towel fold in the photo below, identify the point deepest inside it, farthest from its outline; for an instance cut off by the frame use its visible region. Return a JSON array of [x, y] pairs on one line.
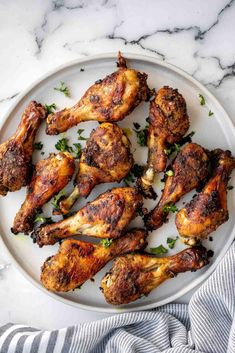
[[207, 324]]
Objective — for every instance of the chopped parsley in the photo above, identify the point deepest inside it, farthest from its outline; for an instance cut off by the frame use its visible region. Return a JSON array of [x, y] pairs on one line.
[[77, 150], [159, 250], [136, 172], [141, 134], [63, 89], [169, 172], [50, 108], [106, 242], [56, 200], [41, 219], [170, 208], [38, 146], [172, 149], [80, 137], [129, 179], [42, 153], [202, 99], [210, 113], [171, 242], [62, 145]]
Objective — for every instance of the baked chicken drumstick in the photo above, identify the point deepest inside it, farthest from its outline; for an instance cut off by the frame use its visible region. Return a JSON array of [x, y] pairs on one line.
[[77, 261], [16, 152], [106, 217], [51, 175], [168, 122], [135, 275], [208, 210], [110, 99], [105, 159], [189, 168]]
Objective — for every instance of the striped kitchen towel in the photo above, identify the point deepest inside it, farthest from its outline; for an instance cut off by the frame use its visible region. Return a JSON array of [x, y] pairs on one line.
[[206, 325]]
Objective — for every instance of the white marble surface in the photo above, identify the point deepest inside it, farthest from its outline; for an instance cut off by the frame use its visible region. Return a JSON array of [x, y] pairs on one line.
[[36, 36]]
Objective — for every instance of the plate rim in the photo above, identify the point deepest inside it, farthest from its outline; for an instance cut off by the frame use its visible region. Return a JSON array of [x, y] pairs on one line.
[[131, 56]]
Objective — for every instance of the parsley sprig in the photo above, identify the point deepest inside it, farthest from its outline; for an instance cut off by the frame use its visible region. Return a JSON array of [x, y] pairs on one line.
[[159, 250], [56, 200], [63, 89], [202, 99], [106, 242], [170, 208], [50, 108], [171, 242], [141, 134], [80, 137], [43, 220], [38, 146]]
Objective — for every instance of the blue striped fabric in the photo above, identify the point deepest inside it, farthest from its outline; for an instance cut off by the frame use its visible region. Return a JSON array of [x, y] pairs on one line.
[[206, 325]]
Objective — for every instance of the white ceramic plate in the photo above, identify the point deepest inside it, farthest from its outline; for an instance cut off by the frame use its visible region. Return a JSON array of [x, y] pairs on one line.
[[211, 132]]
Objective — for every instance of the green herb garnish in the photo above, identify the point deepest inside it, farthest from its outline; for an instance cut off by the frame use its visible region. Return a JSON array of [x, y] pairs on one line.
[[169, 172], [129, 179], [38, 145], [50, 108], [106, 242], [142, 136], [77, 150], [62, 145], [170, 208], [41, 219], [159, 250], [56, 200], [171, 242], [80, 137], [63, 88], [172, 149], [202, 99], [210, 113], [230, 187]]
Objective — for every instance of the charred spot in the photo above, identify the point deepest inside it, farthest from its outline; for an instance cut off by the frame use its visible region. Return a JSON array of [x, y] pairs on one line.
[[63, 277], [83, 251]]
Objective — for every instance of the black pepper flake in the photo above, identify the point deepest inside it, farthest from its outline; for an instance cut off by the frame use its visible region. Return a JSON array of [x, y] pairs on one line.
[[82, 69], [210, 253], [210, 239], [92, 279]]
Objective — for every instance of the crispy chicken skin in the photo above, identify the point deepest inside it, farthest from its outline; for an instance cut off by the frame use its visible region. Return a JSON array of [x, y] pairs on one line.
[[77, 261], [105, 159], [208, 210], [108, 100], [106, 217], [16, 152], [50, 176], [135, 275], [168, 122], [189, 168]]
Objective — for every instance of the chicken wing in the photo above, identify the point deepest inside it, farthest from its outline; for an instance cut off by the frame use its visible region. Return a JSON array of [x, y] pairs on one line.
[[135, 275], [105, 159], [77, 261], [106, 217], [50, 176], [16, 152], [168, 122], [110, 99], [189, 168], [208, 210]]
